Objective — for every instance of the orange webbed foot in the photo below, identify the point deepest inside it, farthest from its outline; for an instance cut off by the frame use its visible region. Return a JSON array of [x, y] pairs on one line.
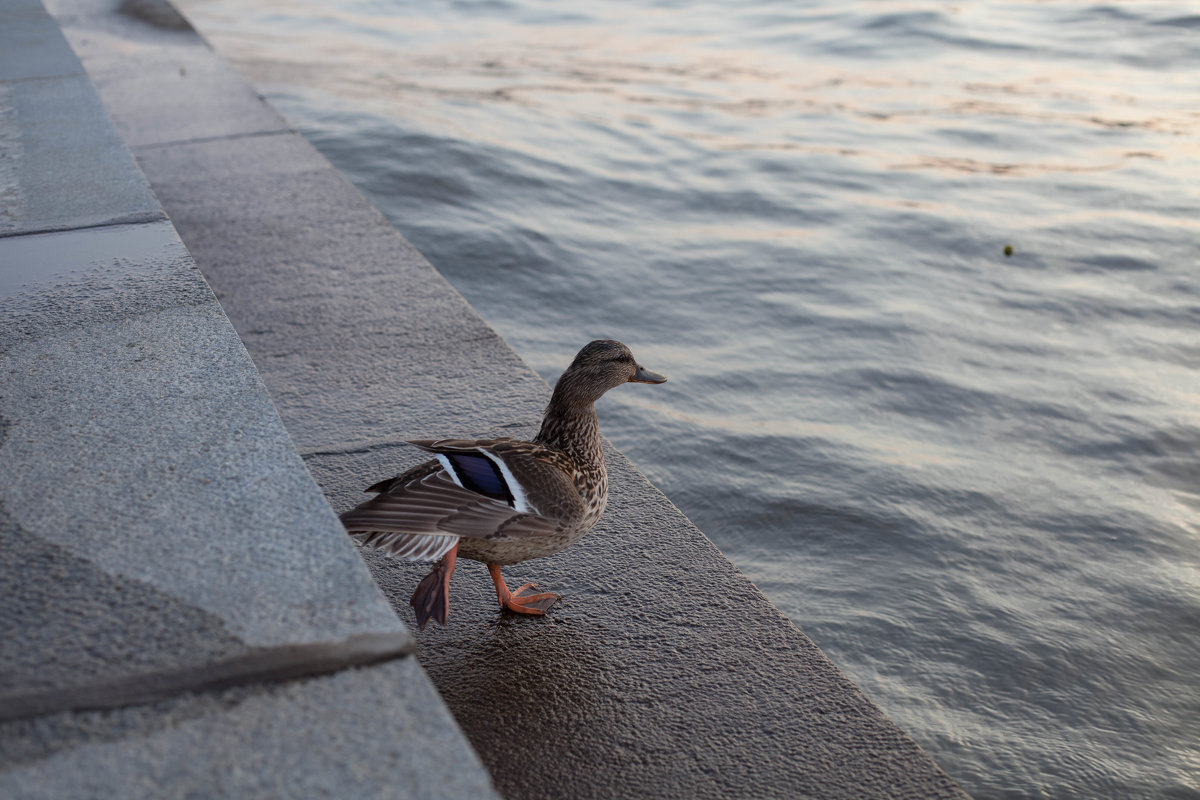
[[518, 602], [534, 604]]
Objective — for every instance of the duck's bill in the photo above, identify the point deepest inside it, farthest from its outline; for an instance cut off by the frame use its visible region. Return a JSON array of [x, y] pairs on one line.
[[644, 375]]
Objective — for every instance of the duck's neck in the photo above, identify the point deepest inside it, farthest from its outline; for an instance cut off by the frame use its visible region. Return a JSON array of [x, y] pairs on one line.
[[571, 426]]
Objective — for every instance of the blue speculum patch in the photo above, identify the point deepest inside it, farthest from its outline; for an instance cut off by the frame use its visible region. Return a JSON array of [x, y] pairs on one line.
[[480, 474]]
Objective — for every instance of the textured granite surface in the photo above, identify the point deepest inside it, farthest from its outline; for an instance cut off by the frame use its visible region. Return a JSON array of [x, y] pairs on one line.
[[55, 174], [33, 44], [196, 96], [143, 462], [360, 733], [56, 171], [664, 672]]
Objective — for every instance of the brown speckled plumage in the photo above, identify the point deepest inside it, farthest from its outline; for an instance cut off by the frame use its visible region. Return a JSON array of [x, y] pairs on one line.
[[502, 501]]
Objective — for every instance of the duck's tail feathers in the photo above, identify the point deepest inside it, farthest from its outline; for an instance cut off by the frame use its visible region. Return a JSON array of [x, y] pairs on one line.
[[407, 546]]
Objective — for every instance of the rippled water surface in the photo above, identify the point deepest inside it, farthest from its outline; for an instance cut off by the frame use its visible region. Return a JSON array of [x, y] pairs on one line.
[[972, 478]]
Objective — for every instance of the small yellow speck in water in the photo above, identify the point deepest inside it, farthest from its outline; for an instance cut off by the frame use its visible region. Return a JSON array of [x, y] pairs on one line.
[[1008, 249]]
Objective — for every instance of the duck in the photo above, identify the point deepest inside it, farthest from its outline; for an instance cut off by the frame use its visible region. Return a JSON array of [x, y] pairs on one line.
[[502, 501]]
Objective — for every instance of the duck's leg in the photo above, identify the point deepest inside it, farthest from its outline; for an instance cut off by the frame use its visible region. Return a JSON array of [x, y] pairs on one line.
[[432, 597], [536, 604]]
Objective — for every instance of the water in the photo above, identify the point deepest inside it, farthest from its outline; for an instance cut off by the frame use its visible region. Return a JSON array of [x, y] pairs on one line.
[[972, 478]]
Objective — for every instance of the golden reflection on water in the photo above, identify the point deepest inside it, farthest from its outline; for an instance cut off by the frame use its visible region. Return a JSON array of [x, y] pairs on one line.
[[684, 85]]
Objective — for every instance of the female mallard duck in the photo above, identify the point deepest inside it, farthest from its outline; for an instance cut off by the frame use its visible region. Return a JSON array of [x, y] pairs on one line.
[[502, 501]]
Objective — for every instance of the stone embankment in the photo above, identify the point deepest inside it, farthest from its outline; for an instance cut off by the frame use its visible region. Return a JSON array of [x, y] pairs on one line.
[[198, 317]]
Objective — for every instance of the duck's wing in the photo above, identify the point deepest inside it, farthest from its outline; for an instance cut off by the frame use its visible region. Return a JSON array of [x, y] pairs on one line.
[[422, 518], [524, 476]]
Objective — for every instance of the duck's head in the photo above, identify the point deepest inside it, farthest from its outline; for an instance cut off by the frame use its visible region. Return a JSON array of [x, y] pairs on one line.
[[602, 365]]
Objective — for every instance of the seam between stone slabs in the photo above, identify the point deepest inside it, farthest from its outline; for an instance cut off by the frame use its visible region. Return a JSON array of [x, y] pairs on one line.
[[206, 139], [141, 218], [260, 665], [54, 77]]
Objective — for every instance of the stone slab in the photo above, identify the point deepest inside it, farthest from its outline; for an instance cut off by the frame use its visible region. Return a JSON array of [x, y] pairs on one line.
[[61, 163], [34, 46], [364, 733], [312, 274], [156, 518], [142, 52]]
